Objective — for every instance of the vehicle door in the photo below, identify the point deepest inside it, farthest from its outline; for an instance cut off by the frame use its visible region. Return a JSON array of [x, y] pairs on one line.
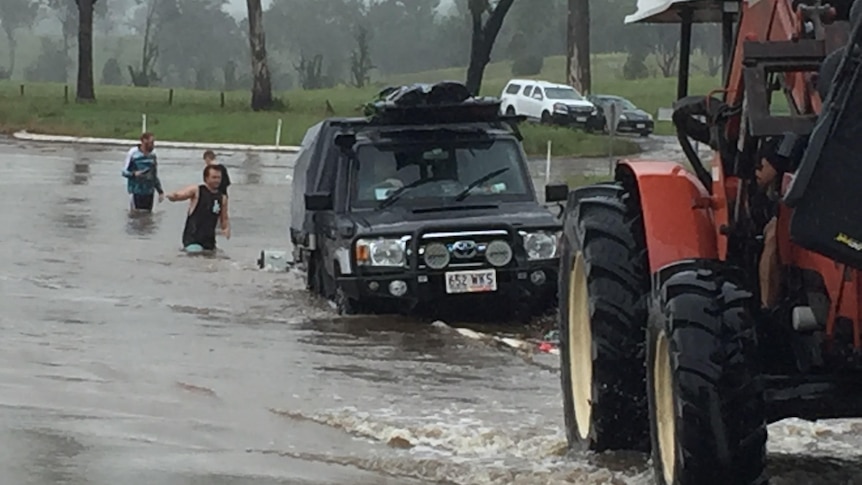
[[523, 103], [534, 103]]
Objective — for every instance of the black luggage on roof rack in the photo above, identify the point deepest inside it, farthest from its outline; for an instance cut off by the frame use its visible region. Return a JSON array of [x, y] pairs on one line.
[[443, 102]]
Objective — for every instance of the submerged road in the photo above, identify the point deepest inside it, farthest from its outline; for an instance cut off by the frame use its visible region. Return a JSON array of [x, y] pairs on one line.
[[125, 361]]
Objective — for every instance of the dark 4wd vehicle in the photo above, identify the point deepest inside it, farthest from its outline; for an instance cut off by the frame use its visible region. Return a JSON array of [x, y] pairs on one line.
[[427, 199]]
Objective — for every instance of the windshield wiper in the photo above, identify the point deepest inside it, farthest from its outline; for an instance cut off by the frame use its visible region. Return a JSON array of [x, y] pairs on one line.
[[479, 181], [397, 194]]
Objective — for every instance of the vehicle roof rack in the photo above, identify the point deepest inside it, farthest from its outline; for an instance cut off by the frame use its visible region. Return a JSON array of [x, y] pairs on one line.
[[440, 103]]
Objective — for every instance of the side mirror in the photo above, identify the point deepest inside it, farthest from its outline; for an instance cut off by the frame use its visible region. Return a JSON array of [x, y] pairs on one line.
[[556, 192], [319, 201]]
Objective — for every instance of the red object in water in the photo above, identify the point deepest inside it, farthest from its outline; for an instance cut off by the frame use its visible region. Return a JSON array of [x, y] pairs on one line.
[[546, 347]]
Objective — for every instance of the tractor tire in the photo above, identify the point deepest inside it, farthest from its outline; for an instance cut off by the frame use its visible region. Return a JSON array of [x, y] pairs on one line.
[[707, 412], [603, 289]]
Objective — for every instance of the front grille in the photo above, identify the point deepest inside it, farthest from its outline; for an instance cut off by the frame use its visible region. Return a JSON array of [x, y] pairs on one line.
[[466, 250]]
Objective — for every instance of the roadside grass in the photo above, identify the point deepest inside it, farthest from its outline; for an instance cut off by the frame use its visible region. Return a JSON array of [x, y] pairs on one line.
[[198, 115]]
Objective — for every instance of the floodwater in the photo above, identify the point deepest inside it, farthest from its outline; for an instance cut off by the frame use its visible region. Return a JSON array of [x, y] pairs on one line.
[[125, 361]]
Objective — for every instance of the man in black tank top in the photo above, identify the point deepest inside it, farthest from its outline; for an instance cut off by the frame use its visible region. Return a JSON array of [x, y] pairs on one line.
[[207, 208]]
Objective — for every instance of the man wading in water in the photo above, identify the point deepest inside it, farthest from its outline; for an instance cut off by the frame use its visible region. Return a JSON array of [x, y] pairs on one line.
[[141, 170], [207, 207]]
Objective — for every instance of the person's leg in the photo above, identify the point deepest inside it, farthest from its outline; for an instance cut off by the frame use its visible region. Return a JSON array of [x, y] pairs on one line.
[[770, 268], [143, 202]]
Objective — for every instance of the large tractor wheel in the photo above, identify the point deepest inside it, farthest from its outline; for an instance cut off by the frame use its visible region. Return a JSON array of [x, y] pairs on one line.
[[707, 414], [603, 287]]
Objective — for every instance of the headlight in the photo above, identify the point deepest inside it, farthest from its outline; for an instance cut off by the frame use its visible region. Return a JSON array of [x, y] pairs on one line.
[[541, 244], [595, 111], [623, 117], [649, 116], [381, 252]]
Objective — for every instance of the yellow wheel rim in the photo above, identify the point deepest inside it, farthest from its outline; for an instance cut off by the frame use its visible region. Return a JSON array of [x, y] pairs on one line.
[[580, 347], [664, 409]]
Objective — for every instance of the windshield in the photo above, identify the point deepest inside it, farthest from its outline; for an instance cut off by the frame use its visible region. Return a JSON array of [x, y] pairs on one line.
[[439, 173], [563, 93]]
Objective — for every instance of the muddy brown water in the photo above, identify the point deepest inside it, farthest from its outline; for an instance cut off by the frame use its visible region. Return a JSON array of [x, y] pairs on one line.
[[122, 360]]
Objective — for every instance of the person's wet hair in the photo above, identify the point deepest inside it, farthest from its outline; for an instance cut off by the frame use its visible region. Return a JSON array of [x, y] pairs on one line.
[[208, 169]]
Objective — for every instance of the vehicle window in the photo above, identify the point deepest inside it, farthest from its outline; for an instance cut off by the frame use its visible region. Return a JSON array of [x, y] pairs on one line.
[[513, 89], [528, 90], [438, 173], [626, 104], [563, 93], [537, 94]]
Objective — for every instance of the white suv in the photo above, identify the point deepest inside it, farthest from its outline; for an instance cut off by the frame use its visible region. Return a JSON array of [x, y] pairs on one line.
[[549, 103]]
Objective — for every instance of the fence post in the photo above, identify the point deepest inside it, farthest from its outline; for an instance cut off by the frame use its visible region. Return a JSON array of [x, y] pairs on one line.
[[278, 133], [171, 97], [66, 93], [222, 99], [143, 122], [22, 90]]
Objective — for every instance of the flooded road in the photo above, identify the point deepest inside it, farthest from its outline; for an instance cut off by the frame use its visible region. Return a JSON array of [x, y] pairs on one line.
[[123, 360]]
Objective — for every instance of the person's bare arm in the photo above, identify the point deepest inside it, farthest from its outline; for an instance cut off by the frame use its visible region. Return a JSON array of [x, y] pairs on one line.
[[224, 218], [187, 193]]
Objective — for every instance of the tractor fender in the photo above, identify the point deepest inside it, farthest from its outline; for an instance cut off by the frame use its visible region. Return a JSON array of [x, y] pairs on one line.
[[677, 212]]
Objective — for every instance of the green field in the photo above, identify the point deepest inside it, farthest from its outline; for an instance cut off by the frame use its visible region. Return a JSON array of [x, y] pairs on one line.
[[198, 115]]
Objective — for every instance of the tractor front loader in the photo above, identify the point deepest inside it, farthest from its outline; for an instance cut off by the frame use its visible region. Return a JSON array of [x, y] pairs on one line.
[[697, 306]]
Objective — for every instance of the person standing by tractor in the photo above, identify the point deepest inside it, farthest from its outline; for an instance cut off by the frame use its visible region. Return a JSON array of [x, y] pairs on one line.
[[768, 174], [208, 208], [141, 173]]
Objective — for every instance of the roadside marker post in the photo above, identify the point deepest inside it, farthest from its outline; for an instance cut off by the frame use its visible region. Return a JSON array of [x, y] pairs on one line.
[[548, 164], [143, 122], [278, 133]]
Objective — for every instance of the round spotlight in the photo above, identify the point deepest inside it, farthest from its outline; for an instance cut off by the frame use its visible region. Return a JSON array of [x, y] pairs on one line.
[[498, 253], [538, 277], [436, 256]]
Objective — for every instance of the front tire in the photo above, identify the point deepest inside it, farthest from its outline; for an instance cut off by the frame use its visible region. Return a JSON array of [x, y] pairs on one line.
[[707, 413], [603, 287]]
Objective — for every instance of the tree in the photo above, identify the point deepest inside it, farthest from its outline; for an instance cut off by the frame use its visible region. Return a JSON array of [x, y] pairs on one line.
[[261, 91], [14, 15], [146, 76], [578, 46], [360, 58], [86, 90], [483, 37]]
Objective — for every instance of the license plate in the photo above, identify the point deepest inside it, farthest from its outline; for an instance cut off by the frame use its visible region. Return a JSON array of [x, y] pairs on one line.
[[641, 125], [581, 118], [471, 281]]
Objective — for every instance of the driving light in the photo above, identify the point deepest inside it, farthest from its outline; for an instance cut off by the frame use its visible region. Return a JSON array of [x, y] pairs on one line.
[[381, 252], [436, 255], [498, 253], [540, 244]]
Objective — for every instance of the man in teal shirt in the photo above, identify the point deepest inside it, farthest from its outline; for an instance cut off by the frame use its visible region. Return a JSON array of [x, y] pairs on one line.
[[141, 172]]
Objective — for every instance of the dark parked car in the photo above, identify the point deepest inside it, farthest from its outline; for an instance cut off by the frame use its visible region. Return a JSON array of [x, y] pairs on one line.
[[632, 119], [426, 200]]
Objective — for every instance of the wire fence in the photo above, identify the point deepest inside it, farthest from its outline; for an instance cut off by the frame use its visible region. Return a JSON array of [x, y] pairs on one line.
[[148, 95]]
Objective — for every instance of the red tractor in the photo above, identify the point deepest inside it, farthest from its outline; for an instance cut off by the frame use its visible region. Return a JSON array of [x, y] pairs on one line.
[[697, 306]]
